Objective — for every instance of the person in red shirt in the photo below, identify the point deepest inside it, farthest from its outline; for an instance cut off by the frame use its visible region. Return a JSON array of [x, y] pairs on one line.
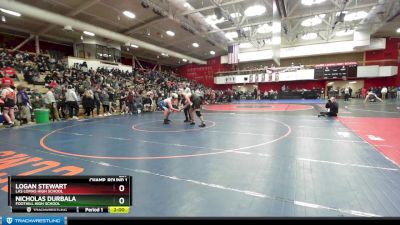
[[53, 84], [10, 71], [7, 79], [364, 92]]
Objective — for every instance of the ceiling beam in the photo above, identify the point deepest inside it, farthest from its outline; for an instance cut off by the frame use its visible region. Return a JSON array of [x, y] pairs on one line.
[[335, 3], [300, 16], [143, 25], [51, 17], [294, 8], [360, 6], [16, 29], [106, 21], [212, 7], [72, 13]]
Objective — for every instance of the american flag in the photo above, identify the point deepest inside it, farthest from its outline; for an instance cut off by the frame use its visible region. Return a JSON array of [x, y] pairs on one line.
[[233, 54]]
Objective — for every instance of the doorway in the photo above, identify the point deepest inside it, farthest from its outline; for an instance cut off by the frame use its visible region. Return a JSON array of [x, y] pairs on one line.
[[246, 91], [336, 88]]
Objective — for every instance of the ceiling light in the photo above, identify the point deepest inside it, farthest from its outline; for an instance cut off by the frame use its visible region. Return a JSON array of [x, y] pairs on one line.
[[311, 2], [309, 36], [235, 15], [255, 10], [231, 35], [398, 30], [88, 33], [185, 60], [355, 16], [196, 45], [316, 20], [212, 20], [164, 54], [170, 33], [134, 46], [352, 82], [344, 33], [129, 14], [212, 52], [10, 12], [186, 5], [245, 45], [264, 29]]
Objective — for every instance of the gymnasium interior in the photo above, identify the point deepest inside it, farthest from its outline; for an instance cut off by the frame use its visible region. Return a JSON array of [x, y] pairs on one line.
[[209, 108]]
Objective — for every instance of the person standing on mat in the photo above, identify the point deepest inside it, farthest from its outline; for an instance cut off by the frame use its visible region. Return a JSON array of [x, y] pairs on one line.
[[186, 106], [195, 100], [332, 108], [167, 106]]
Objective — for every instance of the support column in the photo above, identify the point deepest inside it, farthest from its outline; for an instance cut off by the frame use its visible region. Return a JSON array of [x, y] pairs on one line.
[[37, 44], [23, 43], [74, 49]]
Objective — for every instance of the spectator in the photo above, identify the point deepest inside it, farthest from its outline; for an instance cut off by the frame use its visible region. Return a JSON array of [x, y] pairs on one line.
[[7, 79], [346, 94], [88, 103], [398, 92], [51, 104], [105, 100], [24, 104], [97, 101], [384, 91], [71, 100], [147, 103], [364, 92], [138, 105]]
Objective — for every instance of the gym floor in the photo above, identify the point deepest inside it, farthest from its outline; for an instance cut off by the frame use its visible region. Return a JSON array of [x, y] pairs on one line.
[[254, 158]]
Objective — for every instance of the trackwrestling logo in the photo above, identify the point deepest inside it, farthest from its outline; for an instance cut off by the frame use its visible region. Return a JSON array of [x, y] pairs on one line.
[[54, 220]]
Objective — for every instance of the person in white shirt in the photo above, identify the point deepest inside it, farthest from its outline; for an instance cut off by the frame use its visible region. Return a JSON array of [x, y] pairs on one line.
[[384, 92], [51, 104], [71, 100], [346, 94]]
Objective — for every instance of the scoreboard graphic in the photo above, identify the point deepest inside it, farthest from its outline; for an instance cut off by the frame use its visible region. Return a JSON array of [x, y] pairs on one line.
[[335, 71], [78, 194]]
